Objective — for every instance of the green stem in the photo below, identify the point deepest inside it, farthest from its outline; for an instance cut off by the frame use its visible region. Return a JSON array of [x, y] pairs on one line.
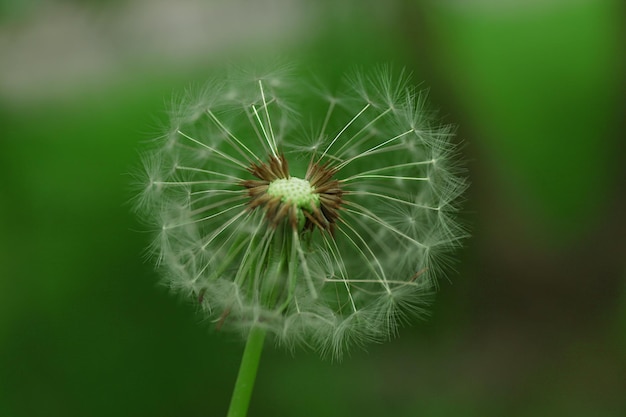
[[247, 373]]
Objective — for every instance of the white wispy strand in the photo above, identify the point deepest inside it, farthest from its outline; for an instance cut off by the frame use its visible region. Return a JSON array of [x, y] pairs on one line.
[[401, 182]]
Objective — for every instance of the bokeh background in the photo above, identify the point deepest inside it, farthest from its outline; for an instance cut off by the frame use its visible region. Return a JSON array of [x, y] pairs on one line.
[[531, 322]]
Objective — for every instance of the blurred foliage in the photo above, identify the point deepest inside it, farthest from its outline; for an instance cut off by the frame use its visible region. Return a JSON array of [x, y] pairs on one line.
[[85, 330], [539, 86]]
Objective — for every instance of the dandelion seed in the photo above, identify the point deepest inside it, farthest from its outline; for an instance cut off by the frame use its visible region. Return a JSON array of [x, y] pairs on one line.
[[325, 243]]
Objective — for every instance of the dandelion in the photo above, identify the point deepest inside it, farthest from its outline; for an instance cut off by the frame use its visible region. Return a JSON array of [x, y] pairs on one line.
[[322, 219]]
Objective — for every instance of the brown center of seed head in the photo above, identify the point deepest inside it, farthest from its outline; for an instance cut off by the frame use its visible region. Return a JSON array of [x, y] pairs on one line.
[[304, 212]]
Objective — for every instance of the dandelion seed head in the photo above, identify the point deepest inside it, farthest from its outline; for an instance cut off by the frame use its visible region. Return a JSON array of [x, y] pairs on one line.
[[328, 237]]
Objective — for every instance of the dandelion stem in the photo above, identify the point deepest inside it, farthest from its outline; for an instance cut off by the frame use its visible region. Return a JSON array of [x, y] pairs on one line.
[[247, 373]]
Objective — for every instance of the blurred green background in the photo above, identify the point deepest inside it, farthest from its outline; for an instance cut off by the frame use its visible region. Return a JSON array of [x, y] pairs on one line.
[[531, 323]]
